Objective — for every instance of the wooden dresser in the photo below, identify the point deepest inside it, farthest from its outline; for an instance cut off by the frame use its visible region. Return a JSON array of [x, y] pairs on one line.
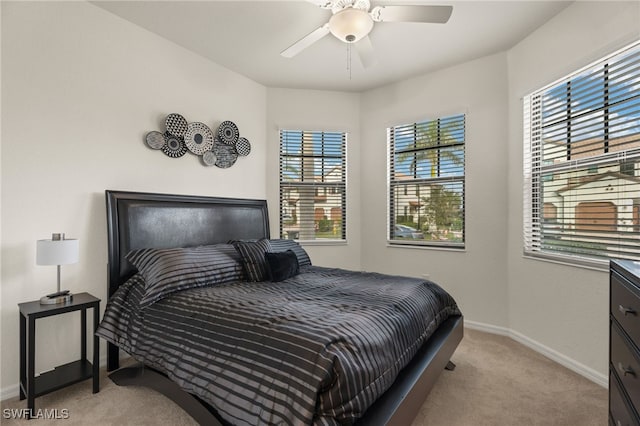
[[624, 343]]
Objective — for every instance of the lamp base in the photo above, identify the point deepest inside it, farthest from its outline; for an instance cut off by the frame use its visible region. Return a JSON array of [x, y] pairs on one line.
[[57, 298]]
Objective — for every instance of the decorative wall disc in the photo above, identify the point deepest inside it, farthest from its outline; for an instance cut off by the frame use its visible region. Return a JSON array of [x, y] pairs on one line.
[[209, 158], [199, 138], [226, 155], [155, 140], [228, 132], [221, 147], [243, 147], [176, 125], [175, 146]]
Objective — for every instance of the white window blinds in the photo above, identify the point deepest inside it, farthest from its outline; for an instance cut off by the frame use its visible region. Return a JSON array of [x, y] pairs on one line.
[[312, 185], [582, 164], [426, 182]]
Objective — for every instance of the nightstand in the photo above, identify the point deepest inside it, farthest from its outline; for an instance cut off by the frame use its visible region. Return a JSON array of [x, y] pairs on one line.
[[63, 375]]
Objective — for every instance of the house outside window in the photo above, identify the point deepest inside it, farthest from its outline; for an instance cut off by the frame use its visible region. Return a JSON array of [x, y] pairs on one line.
[[313, 185], [582, 164], [426, 183]]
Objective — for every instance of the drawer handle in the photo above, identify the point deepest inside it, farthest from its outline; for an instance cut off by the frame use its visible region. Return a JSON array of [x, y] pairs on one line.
[[626, 370], [626, 311]]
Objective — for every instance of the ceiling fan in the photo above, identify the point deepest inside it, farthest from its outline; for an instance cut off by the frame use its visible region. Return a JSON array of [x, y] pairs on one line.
[[352, 22]]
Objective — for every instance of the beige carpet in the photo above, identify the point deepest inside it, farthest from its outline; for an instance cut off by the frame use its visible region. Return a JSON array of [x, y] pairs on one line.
[[497, 382]]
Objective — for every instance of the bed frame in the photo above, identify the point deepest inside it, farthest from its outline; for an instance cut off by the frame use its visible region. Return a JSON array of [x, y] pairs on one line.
[[144, 220]]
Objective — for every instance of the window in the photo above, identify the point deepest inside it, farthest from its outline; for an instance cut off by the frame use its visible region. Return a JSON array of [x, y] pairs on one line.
[[426, 183], [582, 164], [313, 185]]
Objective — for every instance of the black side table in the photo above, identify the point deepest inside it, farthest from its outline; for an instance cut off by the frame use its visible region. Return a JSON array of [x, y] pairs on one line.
[[63, 375]]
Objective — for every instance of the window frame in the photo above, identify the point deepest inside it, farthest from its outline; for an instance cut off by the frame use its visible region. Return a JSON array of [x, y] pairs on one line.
[[444, 141], [539, 168], [321, 189]]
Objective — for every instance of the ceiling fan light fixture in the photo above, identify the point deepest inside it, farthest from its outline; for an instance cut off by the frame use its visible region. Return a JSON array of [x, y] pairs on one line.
[[351, 25]]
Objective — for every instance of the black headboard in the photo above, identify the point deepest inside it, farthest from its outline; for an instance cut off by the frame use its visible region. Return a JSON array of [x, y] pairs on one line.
[[144, 220]]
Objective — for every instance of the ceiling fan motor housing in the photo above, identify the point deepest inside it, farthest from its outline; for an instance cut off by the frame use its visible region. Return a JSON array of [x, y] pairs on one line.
[[350, 25]]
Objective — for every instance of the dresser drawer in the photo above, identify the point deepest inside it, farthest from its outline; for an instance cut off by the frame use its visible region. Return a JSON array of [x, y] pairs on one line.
[[625, 305], [619, 412], [624, 360]]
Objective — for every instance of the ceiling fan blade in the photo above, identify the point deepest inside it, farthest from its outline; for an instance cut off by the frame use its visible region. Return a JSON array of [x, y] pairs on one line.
[[305, 41], [430, 14], [365, 52]]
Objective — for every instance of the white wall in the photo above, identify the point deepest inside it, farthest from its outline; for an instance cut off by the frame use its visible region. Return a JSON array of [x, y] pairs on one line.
[[80, 89], [561, 307], [328, 111], [476, 277]]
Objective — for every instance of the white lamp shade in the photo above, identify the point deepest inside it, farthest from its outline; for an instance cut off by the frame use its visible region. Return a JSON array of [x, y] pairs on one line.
[[350, 25], [57, 252]]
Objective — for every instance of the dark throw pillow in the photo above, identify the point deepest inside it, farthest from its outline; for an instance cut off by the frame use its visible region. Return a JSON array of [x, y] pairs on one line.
[[252, 254], [282, 265], [278, 245], [166, 271]]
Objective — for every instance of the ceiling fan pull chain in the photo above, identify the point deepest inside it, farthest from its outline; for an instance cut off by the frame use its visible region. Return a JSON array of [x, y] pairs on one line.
[[349, 59]]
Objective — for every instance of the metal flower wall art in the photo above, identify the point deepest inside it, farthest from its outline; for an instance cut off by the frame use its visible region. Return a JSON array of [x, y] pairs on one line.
[[220, 148]]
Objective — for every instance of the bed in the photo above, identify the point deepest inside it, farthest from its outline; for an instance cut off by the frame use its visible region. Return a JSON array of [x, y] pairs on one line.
[[210, 383]]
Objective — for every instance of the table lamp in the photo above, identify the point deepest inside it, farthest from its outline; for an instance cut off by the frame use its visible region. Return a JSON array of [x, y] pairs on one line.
[[57, 251]]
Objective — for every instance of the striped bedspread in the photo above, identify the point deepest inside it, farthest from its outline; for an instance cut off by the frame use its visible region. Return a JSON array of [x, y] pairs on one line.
[[318, 348]]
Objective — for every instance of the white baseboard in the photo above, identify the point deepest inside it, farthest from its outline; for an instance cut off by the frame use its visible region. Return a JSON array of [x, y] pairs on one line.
[[9, 392], [565, 361], [488, 328]]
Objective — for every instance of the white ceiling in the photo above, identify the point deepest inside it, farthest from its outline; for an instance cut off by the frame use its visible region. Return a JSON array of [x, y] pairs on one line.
[[248, 36]]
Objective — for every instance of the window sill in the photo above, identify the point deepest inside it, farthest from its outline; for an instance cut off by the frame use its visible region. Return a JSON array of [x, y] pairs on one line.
[[426, 247], [322, 242], [594, 265]]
